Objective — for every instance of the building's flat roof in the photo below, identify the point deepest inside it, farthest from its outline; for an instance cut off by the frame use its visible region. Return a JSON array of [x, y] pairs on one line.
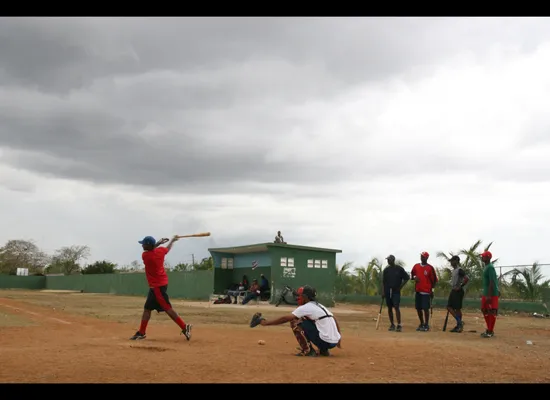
[[261, 247]]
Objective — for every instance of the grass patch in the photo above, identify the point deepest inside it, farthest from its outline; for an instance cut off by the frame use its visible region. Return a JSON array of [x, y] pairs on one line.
[[10, 320]]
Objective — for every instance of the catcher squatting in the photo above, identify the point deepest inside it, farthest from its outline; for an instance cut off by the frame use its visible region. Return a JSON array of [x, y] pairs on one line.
[[311, 323]]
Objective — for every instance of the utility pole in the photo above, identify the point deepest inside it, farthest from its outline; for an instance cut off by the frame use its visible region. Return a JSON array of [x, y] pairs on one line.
[[193, 258]]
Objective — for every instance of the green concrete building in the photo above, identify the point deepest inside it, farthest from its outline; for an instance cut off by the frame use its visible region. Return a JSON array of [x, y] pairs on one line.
[[282, 264]]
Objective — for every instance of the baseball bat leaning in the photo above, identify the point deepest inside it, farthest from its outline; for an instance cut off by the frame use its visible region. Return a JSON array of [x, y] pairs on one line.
[[379, 314], [194, 235], [446, 320]]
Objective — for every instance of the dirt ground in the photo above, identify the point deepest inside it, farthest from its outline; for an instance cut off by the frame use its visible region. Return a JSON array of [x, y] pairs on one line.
[[82, 337]]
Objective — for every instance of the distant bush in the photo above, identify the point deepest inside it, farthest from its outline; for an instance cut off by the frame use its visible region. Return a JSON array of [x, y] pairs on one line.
[[100, 267]]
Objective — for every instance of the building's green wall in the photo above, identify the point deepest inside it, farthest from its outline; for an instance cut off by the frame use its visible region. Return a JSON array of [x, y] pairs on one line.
[[322, 279], [244, 261], [223, 278], [242, 265], [22, 282], [217, 258], [196, 285]]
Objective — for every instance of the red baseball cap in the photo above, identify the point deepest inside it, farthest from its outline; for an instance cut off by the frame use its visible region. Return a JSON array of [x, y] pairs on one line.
[[486, 254], [425, 254]]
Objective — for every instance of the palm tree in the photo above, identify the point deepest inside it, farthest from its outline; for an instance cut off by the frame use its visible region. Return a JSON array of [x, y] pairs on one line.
[[344, 278], [369, 277], [471, 264], [527, 282]]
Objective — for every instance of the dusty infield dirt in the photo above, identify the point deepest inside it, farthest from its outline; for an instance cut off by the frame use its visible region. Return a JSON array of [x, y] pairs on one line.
[[79, 337]]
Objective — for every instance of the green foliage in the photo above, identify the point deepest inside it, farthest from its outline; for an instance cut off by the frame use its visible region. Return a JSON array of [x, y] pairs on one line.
[[20, 253], [365, 280], [100, 267], [528, 282], [206, 264], [67, 259]]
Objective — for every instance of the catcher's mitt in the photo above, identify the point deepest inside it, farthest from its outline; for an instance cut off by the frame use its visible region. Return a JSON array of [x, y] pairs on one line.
[[256, 319]]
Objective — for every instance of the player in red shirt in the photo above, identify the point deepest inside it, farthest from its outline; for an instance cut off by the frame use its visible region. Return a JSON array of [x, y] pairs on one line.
[[157, 299], [425, 277]]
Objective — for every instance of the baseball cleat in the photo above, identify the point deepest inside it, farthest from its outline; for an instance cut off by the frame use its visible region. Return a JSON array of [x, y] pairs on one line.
[[187, 331], [138, 336], [310, 353]]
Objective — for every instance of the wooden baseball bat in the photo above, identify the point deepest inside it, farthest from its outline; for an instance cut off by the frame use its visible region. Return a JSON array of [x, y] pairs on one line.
[[446, 320], [379, 314], [194, 235]]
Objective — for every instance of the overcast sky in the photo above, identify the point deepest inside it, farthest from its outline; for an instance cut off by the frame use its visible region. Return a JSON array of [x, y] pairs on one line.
[[370, 135]]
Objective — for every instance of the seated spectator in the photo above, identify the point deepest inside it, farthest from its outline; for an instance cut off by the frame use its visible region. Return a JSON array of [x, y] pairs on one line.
[[253, 292], [279, 238], [240, 288]]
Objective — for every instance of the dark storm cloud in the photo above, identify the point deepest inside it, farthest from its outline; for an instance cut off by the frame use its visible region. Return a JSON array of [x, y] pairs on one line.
[[187, 102], [98, 148], [59, 54]]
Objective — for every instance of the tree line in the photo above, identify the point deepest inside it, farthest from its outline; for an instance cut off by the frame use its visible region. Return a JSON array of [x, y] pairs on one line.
[[68, 260], [525, 283], [518, 283]]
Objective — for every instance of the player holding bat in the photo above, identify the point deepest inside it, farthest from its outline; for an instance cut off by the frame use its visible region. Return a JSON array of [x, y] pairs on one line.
[[425, 278], [394, 278], [157, 299], [454, 305]]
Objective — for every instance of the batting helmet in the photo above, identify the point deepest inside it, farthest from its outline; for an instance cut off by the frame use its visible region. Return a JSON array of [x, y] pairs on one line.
[[307, 291], [148, 240]]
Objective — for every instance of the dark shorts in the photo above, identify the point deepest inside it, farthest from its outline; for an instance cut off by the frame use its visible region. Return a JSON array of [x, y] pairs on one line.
[[422, 301], [157, 299], [312, 334], [393, 298], [455, 299]]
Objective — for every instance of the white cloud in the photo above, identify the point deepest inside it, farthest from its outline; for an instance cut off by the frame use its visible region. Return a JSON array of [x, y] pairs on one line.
[[431, 161]]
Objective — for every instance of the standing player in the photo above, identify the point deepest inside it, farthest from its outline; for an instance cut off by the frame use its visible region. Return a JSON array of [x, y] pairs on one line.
[[459, 279], [311, 323], [425, 277], [157, 299], [394, 278], [489, 299]]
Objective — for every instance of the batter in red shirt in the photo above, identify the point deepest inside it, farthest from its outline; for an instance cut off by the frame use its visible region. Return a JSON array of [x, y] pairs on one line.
[[425, 277], [157, 299]]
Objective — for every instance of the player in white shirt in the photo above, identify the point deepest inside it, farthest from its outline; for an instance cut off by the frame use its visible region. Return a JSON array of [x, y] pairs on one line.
[[312, 323]]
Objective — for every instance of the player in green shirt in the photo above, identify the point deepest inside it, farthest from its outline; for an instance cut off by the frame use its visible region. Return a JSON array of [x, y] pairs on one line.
[[489, 299]]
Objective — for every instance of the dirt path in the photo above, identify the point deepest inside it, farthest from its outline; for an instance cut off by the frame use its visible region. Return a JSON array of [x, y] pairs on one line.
[[77, 347]]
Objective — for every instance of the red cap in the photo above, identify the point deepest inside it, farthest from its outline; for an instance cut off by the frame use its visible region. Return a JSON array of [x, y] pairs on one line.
[[486, 254], [425, 254]]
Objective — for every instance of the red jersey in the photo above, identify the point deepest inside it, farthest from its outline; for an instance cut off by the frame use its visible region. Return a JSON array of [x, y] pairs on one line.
[[426, 274], [154, 266]]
